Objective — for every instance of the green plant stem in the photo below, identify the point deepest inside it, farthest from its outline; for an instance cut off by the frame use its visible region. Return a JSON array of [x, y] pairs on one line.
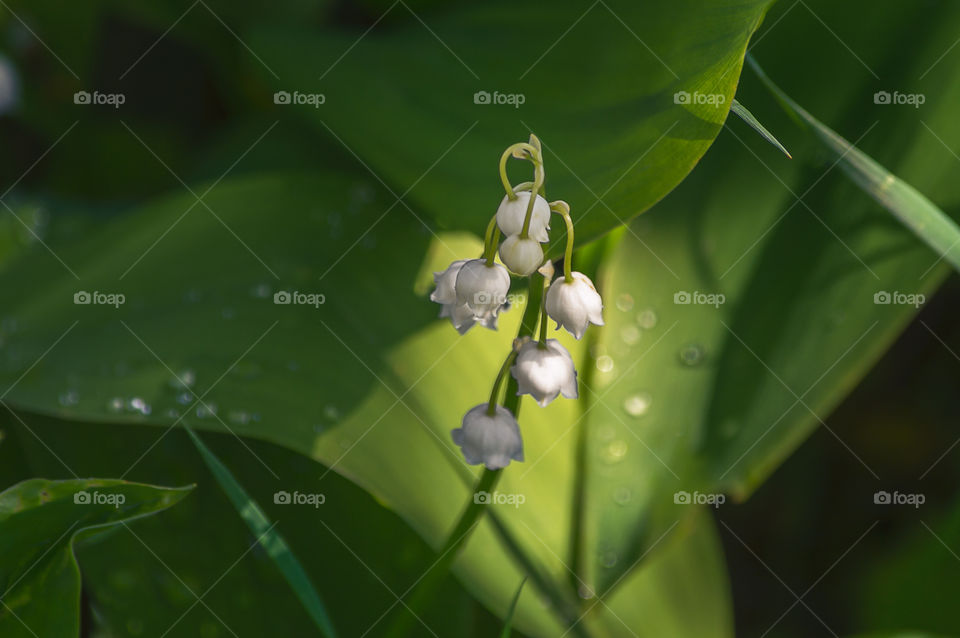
[[514, 150], [491, 239], [543, 322], [563, 209], [473, 511], [538, 178], [425, 589], [495, 393]]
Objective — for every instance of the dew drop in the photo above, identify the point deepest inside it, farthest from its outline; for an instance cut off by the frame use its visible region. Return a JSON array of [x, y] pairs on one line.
[[622, 495], [691, 355], [185, 398], [228, 313], [331, 412], [183, 379], [585, 592], [637, 404], [647, 319], [206, 411], [139, 406], [261, 291], [615, 451], [68, 398], [239, 417], [630, 334], [115, 404], [605, 363], [624, 302], [609, 559]]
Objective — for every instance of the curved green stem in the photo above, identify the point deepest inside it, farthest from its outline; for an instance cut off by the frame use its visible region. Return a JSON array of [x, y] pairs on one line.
[[495, 393], [538, 179], [514, 150], [563, 209], [491, 239], [543, 322]]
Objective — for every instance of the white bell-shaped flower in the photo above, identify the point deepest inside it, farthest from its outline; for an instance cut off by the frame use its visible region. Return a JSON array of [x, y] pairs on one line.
[[511, 215], [489, 439], [445, 294], [482, 288], [522, 256], [574, 305], [545, 372]]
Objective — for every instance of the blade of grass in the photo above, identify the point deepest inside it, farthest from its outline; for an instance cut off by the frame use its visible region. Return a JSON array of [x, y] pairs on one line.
[[741, 111], [268, 538], [508, 621], [907, 204]]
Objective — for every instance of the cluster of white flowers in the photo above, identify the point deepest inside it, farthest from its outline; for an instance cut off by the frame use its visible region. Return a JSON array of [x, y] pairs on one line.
[[474, 291]]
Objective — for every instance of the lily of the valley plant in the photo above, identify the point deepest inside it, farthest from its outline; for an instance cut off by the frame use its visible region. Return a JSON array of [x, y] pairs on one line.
[[475, 291]]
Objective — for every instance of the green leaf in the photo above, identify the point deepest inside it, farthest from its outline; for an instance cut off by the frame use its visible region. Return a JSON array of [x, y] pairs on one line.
[[268, 538], [713, 398], [741, 111], [39, 521], [123, 603], [626, 97], [911, 207]]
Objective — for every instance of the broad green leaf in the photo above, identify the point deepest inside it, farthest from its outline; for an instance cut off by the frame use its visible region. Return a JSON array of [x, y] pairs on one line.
[[39, 521], [124, 603], [710, 394], [626, 97], [268, 538], [298, 385]]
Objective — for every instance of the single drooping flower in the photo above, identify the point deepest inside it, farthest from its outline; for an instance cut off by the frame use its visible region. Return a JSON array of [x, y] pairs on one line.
[[522, 256], [483, 287], [460, 315], [545, 371], [575, 304], [493, 440], [512, 213]]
